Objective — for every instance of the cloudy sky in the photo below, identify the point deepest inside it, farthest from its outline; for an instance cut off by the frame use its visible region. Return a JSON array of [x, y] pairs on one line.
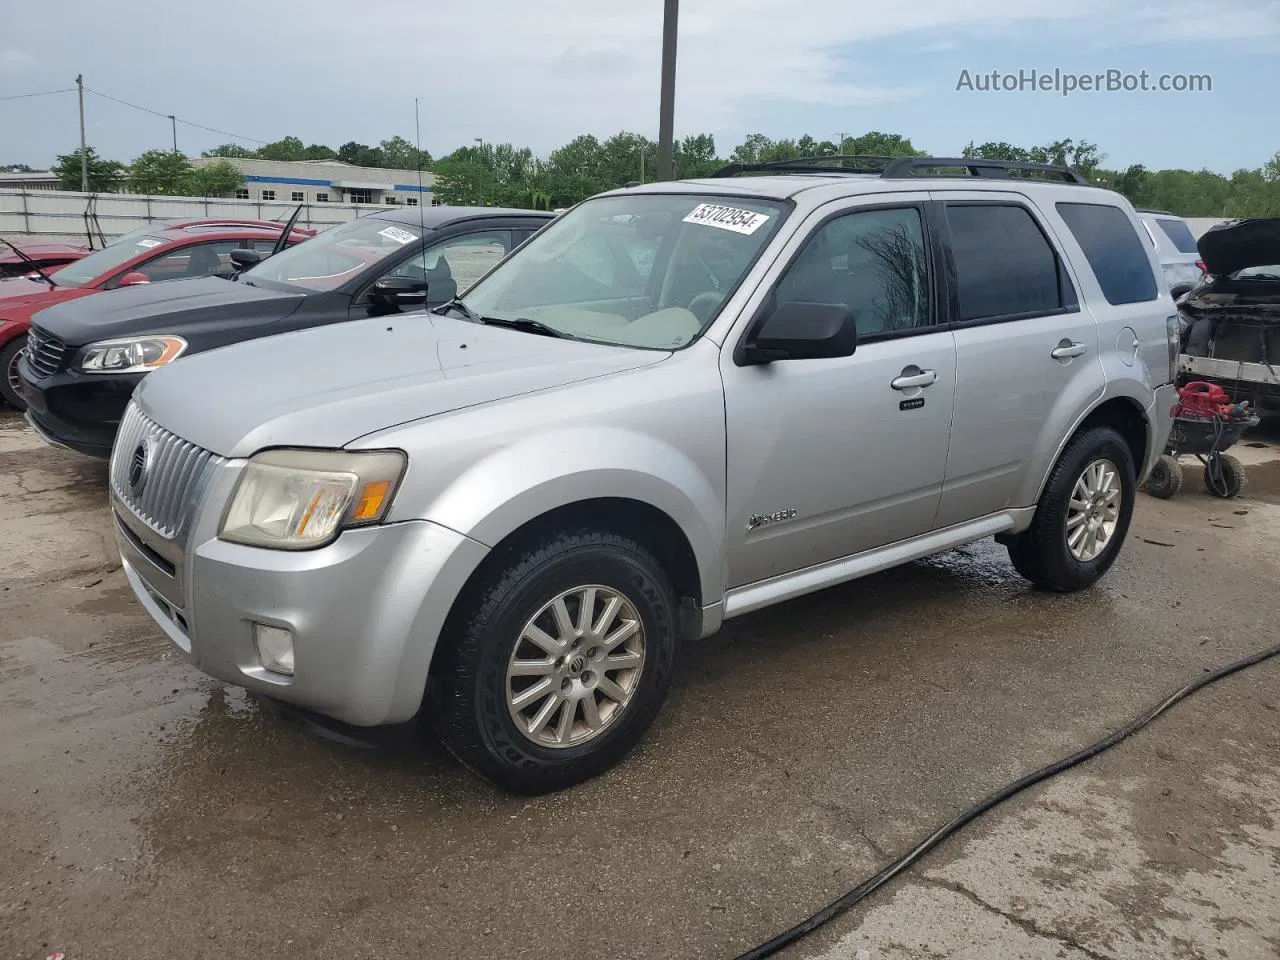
[[537, 72]]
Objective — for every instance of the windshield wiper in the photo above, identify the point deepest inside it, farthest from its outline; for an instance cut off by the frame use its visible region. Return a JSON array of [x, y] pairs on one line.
[[524, 324], [457, 304], [34, 266]]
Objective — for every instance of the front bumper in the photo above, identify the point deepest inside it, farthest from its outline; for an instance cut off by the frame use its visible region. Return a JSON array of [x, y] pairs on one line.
[[75, 411], [365, 612]]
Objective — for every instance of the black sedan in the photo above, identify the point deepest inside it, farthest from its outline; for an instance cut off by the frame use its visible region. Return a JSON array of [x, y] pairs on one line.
[[84, 358]]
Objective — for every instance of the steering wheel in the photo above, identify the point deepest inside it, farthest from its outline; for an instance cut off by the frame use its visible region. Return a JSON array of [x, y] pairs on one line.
[[704, 304]]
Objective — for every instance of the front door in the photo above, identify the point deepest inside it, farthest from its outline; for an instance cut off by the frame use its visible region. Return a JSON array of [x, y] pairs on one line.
[[1027, 352], [828, 458]]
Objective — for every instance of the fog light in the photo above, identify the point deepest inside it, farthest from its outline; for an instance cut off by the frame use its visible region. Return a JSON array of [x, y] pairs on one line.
[[275, 648]]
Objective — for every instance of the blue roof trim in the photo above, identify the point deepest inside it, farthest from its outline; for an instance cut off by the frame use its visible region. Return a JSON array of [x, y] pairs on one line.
[[414, 188], [297, 181]]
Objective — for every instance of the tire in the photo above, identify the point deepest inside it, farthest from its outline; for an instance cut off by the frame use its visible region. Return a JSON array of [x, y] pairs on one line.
[[470, 691], [1166, 478], [1232, 478], [1042, 553], [9, 355]]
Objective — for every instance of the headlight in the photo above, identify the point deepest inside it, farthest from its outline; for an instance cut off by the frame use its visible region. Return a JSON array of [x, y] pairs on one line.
[[301, 499], [131, 354]]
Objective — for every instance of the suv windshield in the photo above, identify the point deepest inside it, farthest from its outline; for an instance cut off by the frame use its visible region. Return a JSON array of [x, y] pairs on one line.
[[333, 256], [641, 270], [87, 269]]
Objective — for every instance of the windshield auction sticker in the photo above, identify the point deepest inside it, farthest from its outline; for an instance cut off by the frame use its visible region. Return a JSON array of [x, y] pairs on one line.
[[398, 235], [727, 218]]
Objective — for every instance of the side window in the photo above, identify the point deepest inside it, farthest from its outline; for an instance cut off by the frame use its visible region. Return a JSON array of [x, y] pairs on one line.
[[1005, 266], [194, 260], [1179, 233], [873, 262], [1114, 251], [453, 265]]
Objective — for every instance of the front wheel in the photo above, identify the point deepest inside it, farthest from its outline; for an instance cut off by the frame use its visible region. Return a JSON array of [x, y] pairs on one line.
[[555, 666], [10, 384], [1083, 515]]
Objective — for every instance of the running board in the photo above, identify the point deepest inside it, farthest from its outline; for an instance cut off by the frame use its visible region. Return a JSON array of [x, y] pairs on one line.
[[764, 593]]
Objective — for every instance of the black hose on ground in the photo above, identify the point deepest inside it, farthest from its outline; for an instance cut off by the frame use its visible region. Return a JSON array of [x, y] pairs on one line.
[[870, 885]]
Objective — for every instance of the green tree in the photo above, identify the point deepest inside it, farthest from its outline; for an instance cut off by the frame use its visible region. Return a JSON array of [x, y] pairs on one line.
[[318, 151], [160, 172], [104, 175], [288, 148], [218, 179], [572, 172], [399, 154], [696, 156], [489, 175], [229, 150], [877, 144], [16, 168], [360, 154]]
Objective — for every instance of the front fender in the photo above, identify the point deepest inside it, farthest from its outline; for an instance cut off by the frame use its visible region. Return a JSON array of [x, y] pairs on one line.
[[522, 481]]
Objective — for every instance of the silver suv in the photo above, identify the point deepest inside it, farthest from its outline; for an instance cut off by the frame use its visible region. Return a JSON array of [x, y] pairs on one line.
[[673, 405], [1176, 249]]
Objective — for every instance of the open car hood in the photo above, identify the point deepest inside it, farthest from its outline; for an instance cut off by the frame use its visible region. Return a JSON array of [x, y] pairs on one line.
[[1233, 246]]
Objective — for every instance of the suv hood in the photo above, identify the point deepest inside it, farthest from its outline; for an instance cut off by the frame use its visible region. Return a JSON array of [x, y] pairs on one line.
[[166, 307], [1233, 246], [329, 386]]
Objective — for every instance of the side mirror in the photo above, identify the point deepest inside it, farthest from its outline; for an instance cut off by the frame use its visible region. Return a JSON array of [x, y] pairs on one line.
[[803, 331], [398, 290], [244, 258], [134, 278]]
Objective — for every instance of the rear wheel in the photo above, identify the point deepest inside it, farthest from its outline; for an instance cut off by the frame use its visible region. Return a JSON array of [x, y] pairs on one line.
[[1083, 515], [552, 670], [1224, 476], [1166, 477], [10, 385]]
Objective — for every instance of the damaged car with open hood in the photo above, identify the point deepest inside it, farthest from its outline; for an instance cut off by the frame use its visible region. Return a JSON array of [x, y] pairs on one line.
[[1232, 320]]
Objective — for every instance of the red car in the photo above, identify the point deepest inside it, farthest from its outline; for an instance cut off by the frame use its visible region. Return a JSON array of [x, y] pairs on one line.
[[48, 255], [167, 250]]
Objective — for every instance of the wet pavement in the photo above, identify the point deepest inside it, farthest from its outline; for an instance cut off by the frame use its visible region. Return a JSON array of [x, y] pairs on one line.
[[148, 812]]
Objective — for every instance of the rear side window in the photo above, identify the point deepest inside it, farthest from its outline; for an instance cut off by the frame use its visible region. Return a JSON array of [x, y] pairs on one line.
[[1113, 249], [1179, 233], [1005, 266]]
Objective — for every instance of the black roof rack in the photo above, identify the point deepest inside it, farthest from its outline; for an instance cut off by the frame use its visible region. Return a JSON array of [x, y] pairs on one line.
[[1158, 213], [897, 168], [869, 164], [903, 167]]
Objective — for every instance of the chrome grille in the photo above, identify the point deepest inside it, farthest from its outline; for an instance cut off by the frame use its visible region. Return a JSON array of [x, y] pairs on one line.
[[44, 353], [157, 474]]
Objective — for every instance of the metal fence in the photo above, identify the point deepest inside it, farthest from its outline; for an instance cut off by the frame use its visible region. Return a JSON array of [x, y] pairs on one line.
[[64, 214]]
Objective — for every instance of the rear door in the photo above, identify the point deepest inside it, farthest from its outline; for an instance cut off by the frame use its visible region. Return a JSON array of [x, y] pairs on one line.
[[1025, 349]]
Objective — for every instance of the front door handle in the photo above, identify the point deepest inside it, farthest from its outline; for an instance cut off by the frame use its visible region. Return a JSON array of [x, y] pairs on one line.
[[1067, 349], [909, 380]]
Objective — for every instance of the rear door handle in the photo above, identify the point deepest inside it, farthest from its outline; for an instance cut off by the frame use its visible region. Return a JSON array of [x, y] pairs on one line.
[[1067, 349], [921, 379]]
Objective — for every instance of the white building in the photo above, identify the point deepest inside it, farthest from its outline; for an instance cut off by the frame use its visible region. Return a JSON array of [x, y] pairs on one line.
[[327, 181]]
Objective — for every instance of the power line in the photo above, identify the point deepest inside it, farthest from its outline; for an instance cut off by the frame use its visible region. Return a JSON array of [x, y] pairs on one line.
[[170, 116], [44, 93]]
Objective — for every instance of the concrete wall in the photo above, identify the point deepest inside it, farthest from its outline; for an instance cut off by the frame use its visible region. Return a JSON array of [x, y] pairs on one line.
[[1199, 225], [61, 214]]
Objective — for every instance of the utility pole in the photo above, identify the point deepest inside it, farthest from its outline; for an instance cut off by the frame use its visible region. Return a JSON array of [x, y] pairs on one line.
[[843, 138], [84, 152], [174, 121], [667, 103]]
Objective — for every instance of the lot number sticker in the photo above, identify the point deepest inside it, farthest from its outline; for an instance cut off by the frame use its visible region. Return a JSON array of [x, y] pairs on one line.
[[398, 235], [727, 218]]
